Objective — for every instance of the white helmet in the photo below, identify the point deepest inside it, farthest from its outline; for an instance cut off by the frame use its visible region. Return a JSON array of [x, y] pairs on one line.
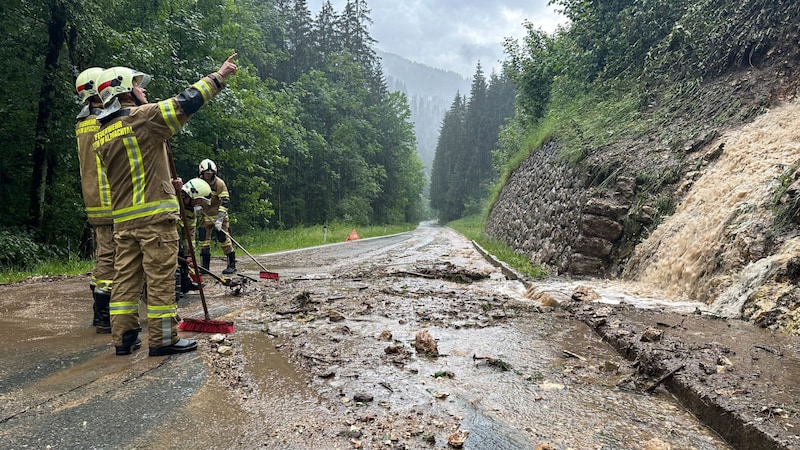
[[85, 83], [197, 188], [207, 165], [118, 80]]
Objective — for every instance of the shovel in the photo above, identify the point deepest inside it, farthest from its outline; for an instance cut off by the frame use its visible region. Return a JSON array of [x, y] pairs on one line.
[[264, 272]]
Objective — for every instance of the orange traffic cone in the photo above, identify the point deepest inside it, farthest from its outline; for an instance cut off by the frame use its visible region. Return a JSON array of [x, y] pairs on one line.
[[353, 236]]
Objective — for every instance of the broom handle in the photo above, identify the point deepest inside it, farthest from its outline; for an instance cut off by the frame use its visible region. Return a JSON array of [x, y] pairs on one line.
[[174, 174], [245, 250]]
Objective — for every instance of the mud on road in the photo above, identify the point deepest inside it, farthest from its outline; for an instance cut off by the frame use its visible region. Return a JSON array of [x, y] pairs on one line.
[[333, 355]]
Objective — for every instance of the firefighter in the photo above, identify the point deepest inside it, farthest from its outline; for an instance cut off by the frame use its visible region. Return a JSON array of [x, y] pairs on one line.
[[132, 144], [194, 194], [96, 198], [215, 217]]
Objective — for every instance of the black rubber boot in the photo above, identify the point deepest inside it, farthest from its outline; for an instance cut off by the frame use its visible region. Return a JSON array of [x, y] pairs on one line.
[[182, 346], [130, 342], [101, 313], [94, 304], [205, 258], [231, 264]]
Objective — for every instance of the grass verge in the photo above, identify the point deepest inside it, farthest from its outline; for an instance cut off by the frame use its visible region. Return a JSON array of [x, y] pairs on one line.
[[472, 227]]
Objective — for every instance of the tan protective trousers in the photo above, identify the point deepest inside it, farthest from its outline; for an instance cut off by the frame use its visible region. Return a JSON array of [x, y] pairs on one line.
[[148, 253], [103, 272], [208, 224]]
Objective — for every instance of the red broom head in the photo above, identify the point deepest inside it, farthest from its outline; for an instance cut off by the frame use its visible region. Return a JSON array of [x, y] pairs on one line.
[[206, 326]]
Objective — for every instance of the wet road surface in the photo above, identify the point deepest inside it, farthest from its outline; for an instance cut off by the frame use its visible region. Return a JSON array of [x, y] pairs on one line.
[[325, 358]]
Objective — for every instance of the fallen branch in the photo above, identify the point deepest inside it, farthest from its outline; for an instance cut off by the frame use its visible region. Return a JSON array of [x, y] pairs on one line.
[[769, 349], [293, 311], [664, 378], [574, 355]]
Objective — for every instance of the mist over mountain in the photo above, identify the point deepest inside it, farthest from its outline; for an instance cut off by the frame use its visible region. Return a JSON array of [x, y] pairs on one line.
[[430, 93]]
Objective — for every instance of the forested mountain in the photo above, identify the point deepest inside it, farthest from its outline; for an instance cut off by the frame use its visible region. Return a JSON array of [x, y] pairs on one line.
[[463, 167], [306, 132], [430, 91]]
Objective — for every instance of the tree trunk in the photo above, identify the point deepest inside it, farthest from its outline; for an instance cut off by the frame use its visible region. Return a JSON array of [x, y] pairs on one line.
[[42, 162]]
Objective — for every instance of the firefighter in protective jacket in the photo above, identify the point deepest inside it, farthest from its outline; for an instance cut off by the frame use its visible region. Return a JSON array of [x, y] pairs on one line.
[[215, 218], [131, 142], [96, 197]]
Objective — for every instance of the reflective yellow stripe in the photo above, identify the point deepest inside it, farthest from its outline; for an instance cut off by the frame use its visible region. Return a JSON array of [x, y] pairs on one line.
[[102, 183], [170, 116], [148, 209], [160, 312], [136, 168], [119, 308], [204, 89], [95, 212]]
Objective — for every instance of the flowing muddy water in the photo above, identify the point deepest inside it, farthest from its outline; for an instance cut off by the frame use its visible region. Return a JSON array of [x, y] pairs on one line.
[[711, 249]]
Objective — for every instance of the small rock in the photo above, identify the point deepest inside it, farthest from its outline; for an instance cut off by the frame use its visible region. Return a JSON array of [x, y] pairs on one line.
[[217, 338], [651, 335], [335, 316], [225, 350], [362, 397], [656, 444], [584, 294], [385, 335], [609, 366], [458, 438], [545, 446], [425, 344]]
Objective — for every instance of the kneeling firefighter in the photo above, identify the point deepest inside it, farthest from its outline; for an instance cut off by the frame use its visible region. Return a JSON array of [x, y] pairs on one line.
[[215, 218]]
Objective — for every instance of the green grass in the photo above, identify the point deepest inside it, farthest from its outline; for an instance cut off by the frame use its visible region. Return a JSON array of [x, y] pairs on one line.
[[255, 242], [472, 227], [47, 268], [303, 237]]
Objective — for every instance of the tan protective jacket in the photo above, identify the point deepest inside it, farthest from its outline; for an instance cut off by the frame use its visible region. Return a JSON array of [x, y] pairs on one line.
[[132, 146], [219, 198], [94, 184]]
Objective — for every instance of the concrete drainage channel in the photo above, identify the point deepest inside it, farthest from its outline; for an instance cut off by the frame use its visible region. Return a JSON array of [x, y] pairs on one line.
[[736, 399], [749, 407]]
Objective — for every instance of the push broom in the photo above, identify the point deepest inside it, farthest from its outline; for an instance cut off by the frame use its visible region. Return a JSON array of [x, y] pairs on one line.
[[190, 324]]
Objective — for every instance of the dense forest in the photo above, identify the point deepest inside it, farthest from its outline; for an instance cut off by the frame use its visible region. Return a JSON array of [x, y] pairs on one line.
[[306, 133]]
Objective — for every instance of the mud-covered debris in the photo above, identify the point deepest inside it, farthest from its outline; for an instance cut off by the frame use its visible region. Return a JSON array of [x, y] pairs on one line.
[[651, 334], [494, 362], [394, 350], [457, 439], [657, 444], [362, 397], [609, 366], [545, 446], [302, 298], [425, 344], [441, 394], [444, 374], [335, 316], [385, 336]]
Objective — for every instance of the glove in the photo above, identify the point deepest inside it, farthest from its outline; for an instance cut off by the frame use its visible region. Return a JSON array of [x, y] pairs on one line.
[[220, 219]]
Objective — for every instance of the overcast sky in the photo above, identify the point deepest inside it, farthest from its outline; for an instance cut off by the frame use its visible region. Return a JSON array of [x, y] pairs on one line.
[[452, 34]]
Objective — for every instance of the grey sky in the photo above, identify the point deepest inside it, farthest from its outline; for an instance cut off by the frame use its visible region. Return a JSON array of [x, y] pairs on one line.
[[452, 34]]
